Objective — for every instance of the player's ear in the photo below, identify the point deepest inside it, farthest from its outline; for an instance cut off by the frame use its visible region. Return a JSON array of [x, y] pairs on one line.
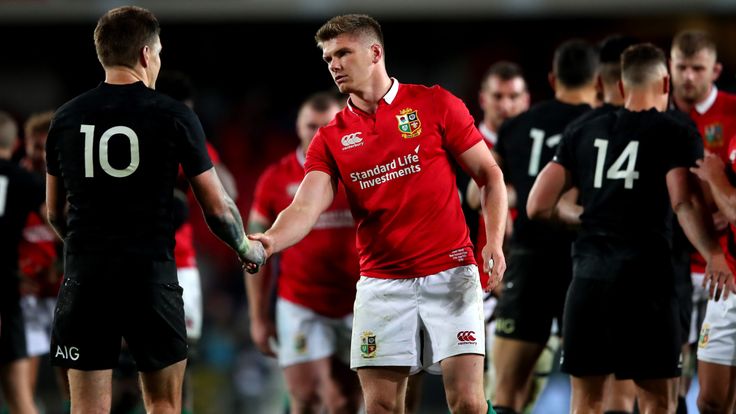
[[377, 51], [717, 68], [145, 55], [666, 84], [599, 83], [552, 79], [621, 88]]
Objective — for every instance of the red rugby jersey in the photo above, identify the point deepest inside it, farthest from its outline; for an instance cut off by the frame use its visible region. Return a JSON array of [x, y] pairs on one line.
[[320, 271], [400, 181], [37, 255], [716, 121]]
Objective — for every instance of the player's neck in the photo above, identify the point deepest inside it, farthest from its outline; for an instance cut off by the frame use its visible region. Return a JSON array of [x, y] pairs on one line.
[[488, 122], [121, 75], [5, 154], [613, 96], [576, 96], [637, 102], [368, 98], [686, 105]]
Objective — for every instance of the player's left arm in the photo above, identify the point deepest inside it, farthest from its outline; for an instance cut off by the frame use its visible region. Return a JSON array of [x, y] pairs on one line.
[[480, 165], [688, 203], [56, 204]]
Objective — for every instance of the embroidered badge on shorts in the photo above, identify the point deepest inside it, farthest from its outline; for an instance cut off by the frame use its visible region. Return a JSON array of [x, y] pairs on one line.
[[368, 344], [300, 343], [409, 124], [704, 336]]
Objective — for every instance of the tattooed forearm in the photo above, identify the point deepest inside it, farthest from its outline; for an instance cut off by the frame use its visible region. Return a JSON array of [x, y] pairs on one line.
[[229, 228]]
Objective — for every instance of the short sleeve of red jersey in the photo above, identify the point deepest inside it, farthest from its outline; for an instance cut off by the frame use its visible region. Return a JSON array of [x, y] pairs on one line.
[[263, 198], [319, 157], [460, 132]]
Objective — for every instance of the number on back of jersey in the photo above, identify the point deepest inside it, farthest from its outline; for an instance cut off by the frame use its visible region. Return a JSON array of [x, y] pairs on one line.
[[89, 135], [615, 172]]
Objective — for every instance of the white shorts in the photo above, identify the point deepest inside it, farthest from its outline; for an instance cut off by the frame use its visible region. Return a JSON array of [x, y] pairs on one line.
[[392, 315], [38, 315], [700, 299], [717, 342], [305, 335], [192, 296]]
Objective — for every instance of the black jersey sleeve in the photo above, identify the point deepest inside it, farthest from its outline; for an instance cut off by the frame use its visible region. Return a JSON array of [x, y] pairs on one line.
[[192, 148], [52, 152], [687, 147], [565, 155]]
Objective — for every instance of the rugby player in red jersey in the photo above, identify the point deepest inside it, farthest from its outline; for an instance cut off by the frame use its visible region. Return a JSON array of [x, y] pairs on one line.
[[316, 283], [419, 301]]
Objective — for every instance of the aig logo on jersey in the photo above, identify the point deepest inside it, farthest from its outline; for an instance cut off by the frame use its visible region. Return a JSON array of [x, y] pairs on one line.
[[351, 141], [409, 124]]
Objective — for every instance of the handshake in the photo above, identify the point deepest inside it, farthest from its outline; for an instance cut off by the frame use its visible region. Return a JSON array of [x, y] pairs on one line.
[[253, 255]]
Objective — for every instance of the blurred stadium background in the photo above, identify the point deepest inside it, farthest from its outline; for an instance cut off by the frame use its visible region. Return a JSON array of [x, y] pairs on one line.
[[254, 61]]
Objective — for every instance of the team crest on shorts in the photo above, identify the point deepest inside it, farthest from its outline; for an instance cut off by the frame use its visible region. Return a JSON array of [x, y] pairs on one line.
[[714, 135], [300, 343], [409, 124], [368, 344], [704, 336]]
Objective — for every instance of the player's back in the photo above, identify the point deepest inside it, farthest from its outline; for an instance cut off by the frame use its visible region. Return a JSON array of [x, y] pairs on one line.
[[620, 162], [526, 144], [117, 148]]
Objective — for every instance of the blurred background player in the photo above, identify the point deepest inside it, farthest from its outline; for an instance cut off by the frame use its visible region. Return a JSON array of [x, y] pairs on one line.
[[39, 260], [503, 95], [316, 283], [20, 194], [624, 283], [539, 253], [695, 68]]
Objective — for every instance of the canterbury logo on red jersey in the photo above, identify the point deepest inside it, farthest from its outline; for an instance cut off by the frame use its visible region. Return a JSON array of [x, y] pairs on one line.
[[466, 336], [351, 139]]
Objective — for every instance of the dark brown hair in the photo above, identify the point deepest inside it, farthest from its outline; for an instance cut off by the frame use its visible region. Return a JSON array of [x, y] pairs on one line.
[[639, 62], [358, 24], [690, 42], [121, 34], [504, 70]]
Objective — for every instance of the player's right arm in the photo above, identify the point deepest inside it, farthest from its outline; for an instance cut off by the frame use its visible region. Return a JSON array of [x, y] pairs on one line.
[[223, 218], [315, 195], [712, 171], [258, 289], [689, 205], [544, 197], [56, 204]]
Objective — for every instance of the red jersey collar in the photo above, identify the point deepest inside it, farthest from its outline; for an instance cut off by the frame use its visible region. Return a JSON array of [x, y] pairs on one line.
[[388, 98], [704, 106]]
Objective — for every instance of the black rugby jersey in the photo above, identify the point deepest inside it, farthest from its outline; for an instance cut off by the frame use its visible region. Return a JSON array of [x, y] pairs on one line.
[[619, 162], [20, 194], [526, 144], [118, 149]]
